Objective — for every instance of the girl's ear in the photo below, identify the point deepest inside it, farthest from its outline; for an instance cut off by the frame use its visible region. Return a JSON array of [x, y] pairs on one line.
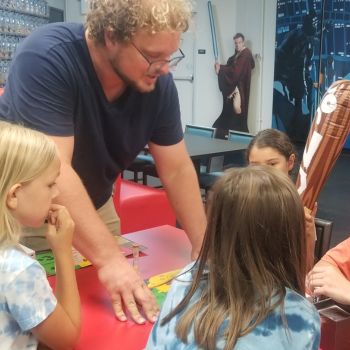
[[12, 199], [291, 162]]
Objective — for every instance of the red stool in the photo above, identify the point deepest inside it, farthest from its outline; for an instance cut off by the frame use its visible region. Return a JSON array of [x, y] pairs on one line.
[[140, 207]]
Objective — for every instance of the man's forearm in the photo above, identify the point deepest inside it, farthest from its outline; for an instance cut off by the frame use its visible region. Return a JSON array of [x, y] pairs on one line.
[[184, 194], [91, 236]]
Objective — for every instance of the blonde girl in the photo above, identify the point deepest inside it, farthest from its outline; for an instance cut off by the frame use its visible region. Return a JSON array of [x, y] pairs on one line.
[[29, 311]]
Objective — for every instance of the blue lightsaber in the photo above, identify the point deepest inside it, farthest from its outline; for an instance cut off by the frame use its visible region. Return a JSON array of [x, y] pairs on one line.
[[213, 32]]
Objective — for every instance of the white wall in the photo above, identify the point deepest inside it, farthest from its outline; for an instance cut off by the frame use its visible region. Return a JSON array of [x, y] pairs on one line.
[[207, 97], [268, 62], [256, 19], [250, 22], [59, 4], [73, 11]]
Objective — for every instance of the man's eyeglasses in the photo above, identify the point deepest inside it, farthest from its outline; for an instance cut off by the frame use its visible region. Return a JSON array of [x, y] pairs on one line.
[[157, 65]]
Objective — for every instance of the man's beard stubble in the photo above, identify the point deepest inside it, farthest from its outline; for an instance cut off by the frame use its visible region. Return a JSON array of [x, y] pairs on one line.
[[129, 82]]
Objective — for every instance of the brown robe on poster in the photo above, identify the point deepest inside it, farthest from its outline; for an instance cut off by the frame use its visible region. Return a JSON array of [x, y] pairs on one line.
[[236, 73]]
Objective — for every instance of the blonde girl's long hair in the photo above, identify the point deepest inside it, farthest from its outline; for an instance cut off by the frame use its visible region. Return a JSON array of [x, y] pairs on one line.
[[254, 247], [24, 155]]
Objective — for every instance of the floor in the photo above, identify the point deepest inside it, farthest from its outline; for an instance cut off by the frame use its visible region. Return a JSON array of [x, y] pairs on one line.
[[334, 200]]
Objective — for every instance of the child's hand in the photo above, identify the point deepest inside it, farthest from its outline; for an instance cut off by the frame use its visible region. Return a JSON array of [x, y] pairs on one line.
[[60, 229], [326, 279]]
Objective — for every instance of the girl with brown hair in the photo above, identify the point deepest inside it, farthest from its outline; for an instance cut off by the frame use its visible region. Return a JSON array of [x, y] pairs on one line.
[[246, 289], [274, 148]]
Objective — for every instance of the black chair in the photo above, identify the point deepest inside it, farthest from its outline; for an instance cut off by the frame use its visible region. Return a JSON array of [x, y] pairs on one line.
[[211, 169], [240, 136], [324, 234], [149, 170], [211, 164], [238, 158], [199, 130], [139, 164]]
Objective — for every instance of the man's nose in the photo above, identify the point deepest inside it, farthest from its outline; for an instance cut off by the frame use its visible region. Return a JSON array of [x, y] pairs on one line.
[[164, 69]]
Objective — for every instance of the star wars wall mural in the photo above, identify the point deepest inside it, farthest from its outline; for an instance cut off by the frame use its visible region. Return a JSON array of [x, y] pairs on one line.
[[312, 51]]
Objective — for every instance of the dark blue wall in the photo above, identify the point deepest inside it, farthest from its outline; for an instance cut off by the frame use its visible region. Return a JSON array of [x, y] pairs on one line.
[[312, 51]]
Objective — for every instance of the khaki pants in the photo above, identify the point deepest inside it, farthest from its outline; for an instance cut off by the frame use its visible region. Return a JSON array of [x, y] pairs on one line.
[[35, 238]]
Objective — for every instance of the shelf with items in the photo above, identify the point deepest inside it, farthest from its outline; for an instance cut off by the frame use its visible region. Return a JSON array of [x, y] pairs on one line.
[[30, 14], [18, 18], [4, 68], [15, 23], [13, 34], [36, 8], [8, 45]]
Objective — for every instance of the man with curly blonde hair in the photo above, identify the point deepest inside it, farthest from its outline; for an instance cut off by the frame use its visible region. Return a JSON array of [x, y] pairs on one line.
[[102, 92]]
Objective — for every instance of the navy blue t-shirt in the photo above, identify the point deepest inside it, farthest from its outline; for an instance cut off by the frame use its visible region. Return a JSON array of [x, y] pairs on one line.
[[52, 87]]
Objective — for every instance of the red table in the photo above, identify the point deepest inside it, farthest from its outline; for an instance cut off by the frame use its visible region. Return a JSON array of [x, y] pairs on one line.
[[168, 249]]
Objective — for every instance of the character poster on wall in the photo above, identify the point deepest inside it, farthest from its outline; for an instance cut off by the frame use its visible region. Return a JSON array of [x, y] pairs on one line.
[[234, 80], [312, 51]]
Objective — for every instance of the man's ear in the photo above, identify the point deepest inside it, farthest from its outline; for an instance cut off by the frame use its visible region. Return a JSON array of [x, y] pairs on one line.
[[109, 40], [12, 199]]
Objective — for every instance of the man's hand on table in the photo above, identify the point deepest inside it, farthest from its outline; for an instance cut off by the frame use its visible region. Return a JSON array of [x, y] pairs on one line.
[[126, 288]]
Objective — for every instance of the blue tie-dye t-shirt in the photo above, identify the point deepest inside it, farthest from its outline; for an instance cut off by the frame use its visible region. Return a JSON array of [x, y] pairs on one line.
[[26, 299], [303, 331]]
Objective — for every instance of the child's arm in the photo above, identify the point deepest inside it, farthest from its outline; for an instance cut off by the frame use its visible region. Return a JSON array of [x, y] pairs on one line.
[[61, 329], [310, 232], [339, 256]]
